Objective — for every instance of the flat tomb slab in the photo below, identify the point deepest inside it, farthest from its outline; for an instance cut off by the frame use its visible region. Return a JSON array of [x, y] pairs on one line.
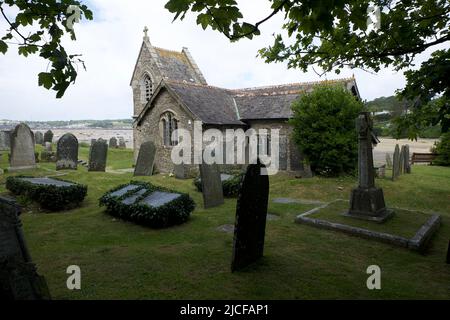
[[47, 182], [133, 198], [159, 198], [409, 229], [124, 190]]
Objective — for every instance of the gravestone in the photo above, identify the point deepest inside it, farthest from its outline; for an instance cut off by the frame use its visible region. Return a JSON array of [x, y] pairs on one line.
[[48, 147], [299, 163], [19, 279], [407, 163], [48, 136], [401, 160], [22, 148], [145, 160], [122, 144], [5, 140], [211, 185], [181, 171], [283, 153], [97, 156], [396, 163], [388, 161], [67, 152], [38, 137], [93, 141], [367, 201], [251, 215], [113, 143]]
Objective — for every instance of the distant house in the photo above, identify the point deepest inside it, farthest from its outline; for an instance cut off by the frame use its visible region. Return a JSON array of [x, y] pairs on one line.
[[170, 92]]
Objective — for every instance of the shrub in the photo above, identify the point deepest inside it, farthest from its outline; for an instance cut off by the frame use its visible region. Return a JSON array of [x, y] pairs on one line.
[[230, 187], [324, 129], [48, 156], [49, 197], [442, 149], [174, 212]]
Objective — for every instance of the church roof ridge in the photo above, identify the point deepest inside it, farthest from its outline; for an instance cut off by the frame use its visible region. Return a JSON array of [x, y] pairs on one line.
[[292, 84]]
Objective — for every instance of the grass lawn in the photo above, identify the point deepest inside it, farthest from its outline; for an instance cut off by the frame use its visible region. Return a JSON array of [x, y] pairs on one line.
[[120, 260]]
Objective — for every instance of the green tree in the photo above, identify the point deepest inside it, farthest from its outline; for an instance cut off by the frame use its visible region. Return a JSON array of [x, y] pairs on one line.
[[333, 34], [442, 149], [324, 129], [38, 28]]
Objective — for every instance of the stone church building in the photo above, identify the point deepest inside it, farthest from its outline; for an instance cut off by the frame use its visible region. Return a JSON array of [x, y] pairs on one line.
[[170, 92]]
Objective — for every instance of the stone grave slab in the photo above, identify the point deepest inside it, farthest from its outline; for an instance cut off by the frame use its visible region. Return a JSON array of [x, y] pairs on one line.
[[124, 190], [158, 198], [133, 198]]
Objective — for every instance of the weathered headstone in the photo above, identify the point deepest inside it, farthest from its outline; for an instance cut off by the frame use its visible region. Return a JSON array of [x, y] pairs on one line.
[[38, 137], [407, 163], [97, 156], [22, 148], [48, 136], [19, 279], [93, 141], [401, 160], [388, 161], [396, 163], [181, 171], [48, 147], [113, 143], [67, 152], [122, 144], [367, 201], [299, 163], [251, 215], [211, 185], [145, 160], [5, 140]]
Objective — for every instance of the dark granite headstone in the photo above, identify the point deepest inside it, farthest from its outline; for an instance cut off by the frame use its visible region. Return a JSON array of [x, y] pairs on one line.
[[48, 136], [251, 215], [283, 165], [396, 163], [39, 137], [22, 148], [5, 140], [211, 185], [367, 201], [145, 160], [97, 156], [113, 143], [67, 152], [19, 279]]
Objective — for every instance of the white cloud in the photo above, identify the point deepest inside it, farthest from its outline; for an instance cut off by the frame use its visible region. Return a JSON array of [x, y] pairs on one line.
[[110, 46]]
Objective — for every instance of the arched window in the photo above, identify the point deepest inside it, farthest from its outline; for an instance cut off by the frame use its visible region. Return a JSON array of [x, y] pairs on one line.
[[146, 88], [169, 125]]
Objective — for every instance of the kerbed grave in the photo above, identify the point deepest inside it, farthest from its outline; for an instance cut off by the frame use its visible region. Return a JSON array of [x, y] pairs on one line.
[[149, 205]]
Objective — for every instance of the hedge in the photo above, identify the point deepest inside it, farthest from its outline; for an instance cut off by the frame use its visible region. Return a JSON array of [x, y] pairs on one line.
[[172, 213], [49, 197], [230, 187]]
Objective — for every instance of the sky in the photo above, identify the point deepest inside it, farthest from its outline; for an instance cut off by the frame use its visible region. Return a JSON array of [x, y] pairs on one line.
[[110, 45]]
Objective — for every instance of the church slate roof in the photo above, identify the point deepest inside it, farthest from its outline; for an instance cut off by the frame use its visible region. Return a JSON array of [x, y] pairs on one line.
[[211, 104], [176, 66], [218, 106]]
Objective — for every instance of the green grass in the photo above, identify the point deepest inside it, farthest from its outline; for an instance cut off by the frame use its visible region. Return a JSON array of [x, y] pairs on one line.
[[404, 223], [120, 260]]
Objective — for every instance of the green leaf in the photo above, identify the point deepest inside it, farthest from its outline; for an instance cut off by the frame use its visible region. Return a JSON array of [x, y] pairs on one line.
[[46, 80], [3, 47]]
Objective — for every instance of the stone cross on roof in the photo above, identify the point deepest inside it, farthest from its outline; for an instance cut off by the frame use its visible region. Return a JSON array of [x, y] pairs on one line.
[[145, 32]]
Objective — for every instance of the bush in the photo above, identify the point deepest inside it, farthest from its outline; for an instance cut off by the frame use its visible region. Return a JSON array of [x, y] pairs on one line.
[[49, 197], [442, 149], [172, 213], [48, 156], [324, 129], [230, 187]]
